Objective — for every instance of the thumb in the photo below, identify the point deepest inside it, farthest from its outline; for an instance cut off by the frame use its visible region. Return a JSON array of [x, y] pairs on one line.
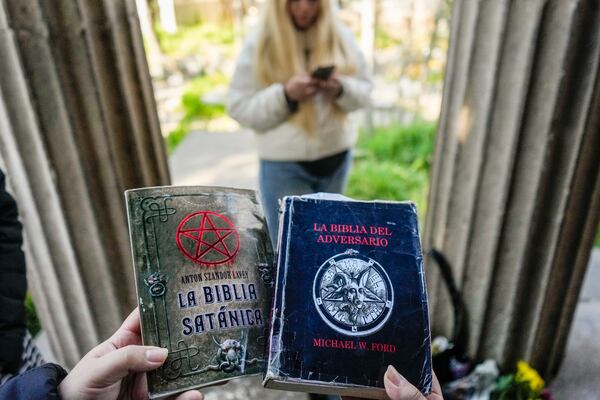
[[117, 364], [398, 388]]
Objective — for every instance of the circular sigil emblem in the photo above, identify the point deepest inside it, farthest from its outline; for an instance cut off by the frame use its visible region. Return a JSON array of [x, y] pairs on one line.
[[208, 238], [353, 294]]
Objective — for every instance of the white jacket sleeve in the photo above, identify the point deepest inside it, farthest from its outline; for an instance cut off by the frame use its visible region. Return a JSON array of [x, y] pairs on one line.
[[356, 92], [253, 106]]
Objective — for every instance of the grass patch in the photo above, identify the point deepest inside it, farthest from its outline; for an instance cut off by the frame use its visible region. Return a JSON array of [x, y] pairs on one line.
[[191, 100], [190, 40], [31, 319], [384, 40], [195, 109], [394, 164]]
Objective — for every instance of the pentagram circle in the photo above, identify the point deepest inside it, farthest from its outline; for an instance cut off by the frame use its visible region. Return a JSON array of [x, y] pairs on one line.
[[208, 238], [353, 294]]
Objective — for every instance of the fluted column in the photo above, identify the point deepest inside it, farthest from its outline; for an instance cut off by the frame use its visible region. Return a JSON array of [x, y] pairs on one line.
[[81, 127], [516, 180]]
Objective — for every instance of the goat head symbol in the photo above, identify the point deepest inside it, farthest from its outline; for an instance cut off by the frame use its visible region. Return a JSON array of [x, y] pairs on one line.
[[352, 290]]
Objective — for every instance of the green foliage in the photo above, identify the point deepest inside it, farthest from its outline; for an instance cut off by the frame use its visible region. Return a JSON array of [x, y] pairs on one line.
[[31, 319], [190, 40], [407, 145], [597, 242], [384, 40], [386, 180], [191, 100], [176, 136], [435, 77], [393, 164], [507, 388], [195, 109], [525, 384]]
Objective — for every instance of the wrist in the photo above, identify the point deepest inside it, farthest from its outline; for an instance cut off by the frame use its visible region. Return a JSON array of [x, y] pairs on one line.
[[65, 391], [291, 103], [288, 92], [340, 91]]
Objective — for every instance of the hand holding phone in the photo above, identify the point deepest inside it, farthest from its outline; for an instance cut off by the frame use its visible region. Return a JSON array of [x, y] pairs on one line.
[[300, 87], [332, 88], [323, 73]]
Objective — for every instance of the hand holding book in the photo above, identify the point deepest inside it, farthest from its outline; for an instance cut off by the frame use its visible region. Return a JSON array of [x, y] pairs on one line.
[[359, 267], [117, 367], [349, 297], [398, 388], [203, 266]]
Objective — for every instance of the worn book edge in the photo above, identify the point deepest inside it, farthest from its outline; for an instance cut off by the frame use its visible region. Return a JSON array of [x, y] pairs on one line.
[[127, 193], [333, 388], [163, 395], [273, 378]]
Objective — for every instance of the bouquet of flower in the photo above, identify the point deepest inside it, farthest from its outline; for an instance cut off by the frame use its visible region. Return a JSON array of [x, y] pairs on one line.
[[525, 384]]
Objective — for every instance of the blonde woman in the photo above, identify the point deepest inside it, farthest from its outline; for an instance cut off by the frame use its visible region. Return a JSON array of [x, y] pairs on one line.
[[304, 137]]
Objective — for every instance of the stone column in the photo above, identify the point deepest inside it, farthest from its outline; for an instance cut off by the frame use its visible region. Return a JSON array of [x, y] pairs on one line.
[[515, 192], [81, 127]]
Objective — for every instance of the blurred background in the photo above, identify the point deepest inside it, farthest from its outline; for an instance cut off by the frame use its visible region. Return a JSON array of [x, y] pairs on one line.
[[192, 48], [485, 113]]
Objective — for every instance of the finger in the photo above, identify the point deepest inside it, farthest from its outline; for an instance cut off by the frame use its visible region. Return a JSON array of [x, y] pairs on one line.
[[191, 395], [140, 387], [398, 388], [436, 389], [329, 87], [310, 91], [132, 322], [129, 332], [333, 85], [117, 364]]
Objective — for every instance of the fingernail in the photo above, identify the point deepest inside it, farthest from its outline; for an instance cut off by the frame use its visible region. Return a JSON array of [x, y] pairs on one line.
[[156, 354], [393, 376]]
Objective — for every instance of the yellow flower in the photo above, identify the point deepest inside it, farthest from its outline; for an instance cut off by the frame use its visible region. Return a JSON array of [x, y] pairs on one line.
[[529, 375]]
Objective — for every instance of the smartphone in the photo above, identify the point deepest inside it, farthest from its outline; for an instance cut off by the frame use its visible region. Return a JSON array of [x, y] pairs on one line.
[[323, 73]]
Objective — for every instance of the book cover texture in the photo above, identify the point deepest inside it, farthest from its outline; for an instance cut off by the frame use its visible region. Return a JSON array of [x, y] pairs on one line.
[[350, 298], [202, 261]]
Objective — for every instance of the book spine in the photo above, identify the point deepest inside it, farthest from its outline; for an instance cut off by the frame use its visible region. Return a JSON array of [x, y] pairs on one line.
[[274, 349]]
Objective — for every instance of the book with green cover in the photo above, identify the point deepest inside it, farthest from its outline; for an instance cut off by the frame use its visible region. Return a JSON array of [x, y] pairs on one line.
[[202, 260]]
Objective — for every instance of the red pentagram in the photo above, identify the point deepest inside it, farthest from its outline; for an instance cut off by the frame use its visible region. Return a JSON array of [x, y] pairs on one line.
[[207, 238]]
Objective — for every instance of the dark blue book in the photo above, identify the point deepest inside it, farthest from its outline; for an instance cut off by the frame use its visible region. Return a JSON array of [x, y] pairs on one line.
[[350, 298]]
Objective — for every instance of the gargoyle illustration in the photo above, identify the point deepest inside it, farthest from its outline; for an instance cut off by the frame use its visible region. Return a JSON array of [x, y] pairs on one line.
[[230, 354]]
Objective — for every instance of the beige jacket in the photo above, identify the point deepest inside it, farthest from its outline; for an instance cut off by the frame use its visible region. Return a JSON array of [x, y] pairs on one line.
[[265, 110]]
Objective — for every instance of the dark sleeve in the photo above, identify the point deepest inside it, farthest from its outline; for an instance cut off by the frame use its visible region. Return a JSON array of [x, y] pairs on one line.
[[39, 383], [13, 284]]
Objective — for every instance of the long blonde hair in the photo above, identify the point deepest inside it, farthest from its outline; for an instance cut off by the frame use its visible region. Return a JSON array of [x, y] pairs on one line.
[[280, 52]]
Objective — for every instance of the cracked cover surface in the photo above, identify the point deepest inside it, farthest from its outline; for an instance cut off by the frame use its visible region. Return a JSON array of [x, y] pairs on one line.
[[350, 297], [202, 260]]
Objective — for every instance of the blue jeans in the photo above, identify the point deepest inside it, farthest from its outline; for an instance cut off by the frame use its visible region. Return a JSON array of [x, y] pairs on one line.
[[277, 179]]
